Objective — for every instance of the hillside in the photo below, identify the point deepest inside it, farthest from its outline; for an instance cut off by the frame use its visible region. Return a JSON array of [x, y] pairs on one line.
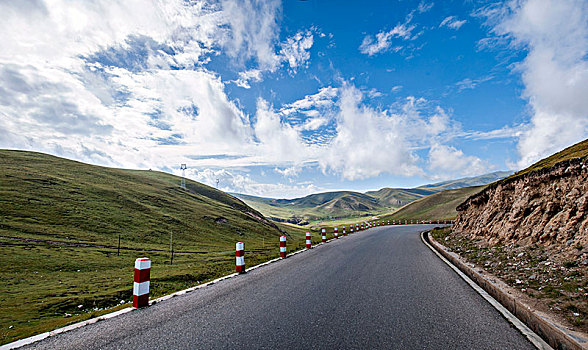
[[468, 181], [438, 206], [347, 204], [546, 203], [46, 197], [397, 197], [531, 230], [60, 224], [315, 206]]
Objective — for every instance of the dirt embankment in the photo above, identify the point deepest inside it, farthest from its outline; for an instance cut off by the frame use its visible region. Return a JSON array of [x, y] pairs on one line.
[[548, 208]]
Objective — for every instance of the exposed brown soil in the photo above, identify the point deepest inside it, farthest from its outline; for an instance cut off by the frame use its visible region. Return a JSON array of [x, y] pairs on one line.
[[532, 232]]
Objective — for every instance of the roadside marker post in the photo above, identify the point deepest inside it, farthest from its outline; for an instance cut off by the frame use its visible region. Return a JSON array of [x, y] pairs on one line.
[[336, 233], [324, 237], [240, 248], [283, 247], [308, 242], [344, 232], [350, 229], [141, 282]]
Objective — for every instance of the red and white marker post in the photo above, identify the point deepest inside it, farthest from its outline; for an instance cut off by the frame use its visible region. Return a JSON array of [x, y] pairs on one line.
[[283, 247], [308, 243], [350, 229], [240, 248], [344, 232], [141, 282], [324, 237], [336, 233]]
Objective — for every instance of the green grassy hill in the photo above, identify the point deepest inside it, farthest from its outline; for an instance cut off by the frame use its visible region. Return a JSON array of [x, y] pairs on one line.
[[46, 197], [579, 150], [315, 206], [467, 182], [397, 197], [341, 205], [60, 223], [438, 206]]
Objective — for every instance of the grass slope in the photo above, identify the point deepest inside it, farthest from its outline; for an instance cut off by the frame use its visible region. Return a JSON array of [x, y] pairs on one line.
[[316, 206], [342, 205], [468, 181], [60, 222], [438, 206], [579, 150]]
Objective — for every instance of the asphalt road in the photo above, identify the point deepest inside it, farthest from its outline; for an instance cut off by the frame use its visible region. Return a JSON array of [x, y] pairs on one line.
[[376, 289]]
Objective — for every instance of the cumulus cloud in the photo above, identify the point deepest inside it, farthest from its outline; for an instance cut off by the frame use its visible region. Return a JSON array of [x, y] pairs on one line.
[[277, 140], [124, 84], [452, 22], [554, 71], [369, 141], [447, 162]]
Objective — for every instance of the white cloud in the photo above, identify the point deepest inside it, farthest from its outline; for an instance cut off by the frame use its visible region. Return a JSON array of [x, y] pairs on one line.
[[447, 162], [92, 81], [554, 72], [254, 31], [425, 7], [452, 22], [468, 83], [278, 141], [238, 182], [324, 98], [292, 171], [369, 142], [295, 50], [314, 123], [502, 133], [247, 76], [383, 40]]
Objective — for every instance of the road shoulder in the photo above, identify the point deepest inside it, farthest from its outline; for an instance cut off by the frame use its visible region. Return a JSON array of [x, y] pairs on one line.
[[556, 335]]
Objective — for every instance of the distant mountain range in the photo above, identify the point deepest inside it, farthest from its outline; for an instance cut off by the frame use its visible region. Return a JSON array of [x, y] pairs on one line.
[[341, 204]]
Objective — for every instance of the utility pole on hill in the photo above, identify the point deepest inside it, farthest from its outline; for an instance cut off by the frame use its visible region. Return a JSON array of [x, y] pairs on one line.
[[183, 167]]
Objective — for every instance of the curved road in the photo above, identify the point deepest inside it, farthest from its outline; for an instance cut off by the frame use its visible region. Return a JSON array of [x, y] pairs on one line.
[[381, 288]]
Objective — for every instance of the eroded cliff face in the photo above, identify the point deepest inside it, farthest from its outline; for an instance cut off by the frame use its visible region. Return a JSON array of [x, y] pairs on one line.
[[548, 207]]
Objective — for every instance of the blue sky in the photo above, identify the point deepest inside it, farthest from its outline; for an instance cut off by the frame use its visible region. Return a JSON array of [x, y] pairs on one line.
[[283, 99]]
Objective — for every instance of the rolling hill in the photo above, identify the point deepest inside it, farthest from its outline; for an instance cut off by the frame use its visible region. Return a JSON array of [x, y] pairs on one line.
[[438, 206], [46, 197], [61, 223], [345, 204]]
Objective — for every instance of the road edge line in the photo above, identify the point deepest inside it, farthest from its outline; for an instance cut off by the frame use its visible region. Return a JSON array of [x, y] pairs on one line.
[[533, 337]]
